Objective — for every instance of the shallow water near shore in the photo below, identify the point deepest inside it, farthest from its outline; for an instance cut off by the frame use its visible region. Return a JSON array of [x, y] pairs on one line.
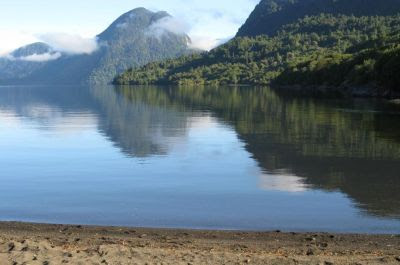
[[227, 158]]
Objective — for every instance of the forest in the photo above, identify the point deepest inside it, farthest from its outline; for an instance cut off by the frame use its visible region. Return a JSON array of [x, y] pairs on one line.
[[349, 49]]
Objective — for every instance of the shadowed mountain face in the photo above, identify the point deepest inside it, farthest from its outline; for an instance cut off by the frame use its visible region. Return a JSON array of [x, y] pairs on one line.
[[270, 15], [134, 39], [24, 61]]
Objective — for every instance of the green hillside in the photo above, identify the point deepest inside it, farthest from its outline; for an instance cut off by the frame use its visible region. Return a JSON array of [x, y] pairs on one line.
[[372, 71], [261, 60]]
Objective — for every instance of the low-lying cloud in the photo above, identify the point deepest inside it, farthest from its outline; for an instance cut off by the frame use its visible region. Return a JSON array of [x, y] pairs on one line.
[[70, 43], [44, 57], [210, 22], [168, 24], [210, 19], [205, 43], [180, 27], [61, 43]]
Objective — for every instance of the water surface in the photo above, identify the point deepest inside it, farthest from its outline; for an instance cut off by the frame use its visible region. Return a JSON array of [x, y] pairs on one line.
[[227, 158]]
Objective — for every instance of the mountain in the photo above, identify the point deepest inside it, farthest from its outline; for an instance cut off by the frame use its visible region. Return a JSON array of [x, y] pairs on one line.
[[134, 39], [308, 43], [26, 60], [270, 15], [34, 48]]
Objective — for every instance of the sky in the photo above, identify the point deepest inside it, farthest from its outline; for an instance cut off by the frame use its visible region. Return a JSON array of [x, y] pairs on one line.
[[26, 21]]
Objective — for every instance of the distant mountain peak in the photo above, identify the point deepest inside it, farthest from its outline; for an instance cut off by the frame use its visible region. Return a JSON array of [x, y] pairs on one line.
[[138, 19], [31, 49], [130, 41]]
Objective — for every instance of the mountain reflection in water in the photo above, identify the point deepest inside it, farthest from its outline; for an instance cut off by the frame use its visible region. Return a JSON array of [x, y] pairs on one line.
[[345, 145], [291, 145]]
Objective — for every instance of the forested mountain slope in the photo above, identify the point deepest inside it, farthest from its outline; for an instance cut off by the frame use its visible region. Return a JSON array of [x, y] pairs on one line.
[[261, 60], [270, 15]]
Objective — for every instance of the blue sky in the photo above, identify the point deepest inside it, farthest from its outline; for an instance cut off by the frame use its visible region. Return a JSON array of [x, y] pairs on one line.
[[22, 21]]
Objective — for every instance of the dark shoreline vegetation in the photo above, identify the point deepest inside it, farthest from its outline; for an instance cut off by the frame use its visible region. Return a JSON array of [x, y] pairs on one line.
[[323, 54]]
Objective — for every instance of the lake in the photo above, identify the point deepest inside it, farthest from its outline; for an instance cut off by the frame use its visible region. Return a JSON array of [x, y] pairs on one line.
[[205, 158]]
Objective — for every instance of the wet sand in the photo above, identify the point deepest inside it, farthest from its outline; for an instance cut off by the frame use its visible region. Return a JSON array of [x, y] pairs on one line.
[[25, 243]]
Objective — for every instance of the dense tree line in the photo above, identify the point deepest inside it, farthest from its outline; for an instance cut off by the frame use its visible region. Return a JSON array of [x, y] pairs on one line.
[[376, 67], [311, 43]]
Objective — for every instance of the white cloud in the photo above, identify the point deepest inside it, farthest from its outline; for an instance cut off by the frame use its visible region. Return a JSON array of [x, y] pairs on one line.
[[180, 27], [169, 24], [207, 19], [205, 43], [70, 43], [44, 57], [210, 22]]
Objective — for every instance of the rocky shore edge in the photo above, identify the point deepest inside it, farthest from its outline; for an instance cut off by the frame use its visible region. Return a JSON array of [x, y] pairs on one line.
[[44, 244]]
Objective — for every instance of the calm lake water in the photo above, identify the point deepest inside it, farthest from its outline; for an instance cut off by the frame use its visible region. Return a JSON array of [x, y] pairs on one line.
[[227, 158]]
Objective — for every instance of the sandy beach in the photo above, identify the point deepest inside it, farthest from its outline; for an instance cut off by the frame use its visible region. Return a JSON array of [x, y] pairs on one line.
[[26, 243]]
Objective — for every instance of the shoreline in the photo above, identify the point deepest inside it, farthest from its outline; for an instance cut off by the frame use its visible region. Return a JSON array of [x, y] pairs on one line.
[[343, 91], [32, 243]]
